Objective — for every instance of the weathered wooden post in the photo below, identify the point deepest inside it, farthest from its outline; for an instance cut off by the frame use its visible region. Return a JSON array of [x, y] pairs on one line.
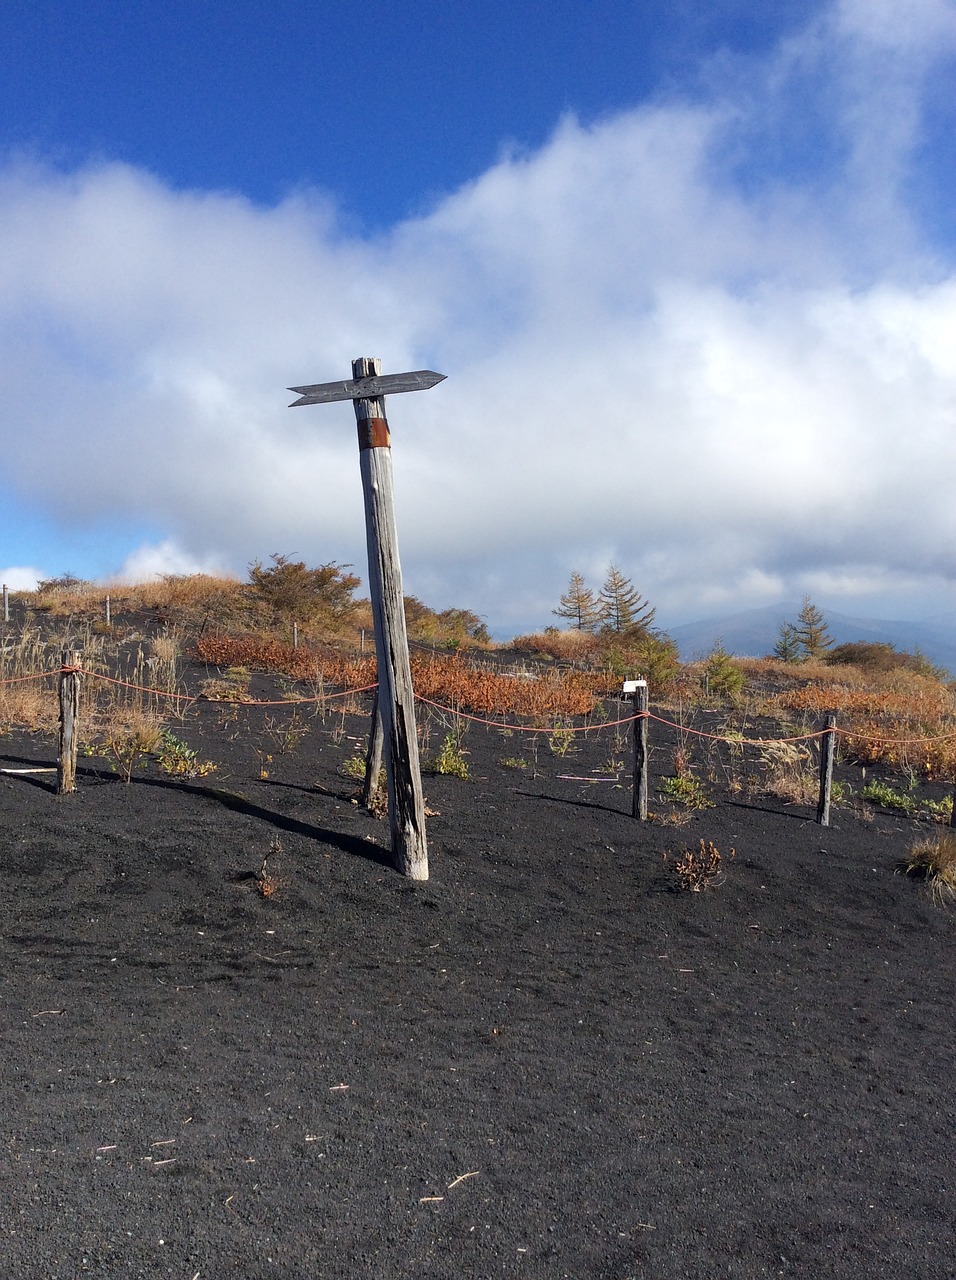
[[69, 721], [827, 743], [109, 612], [406, 803], [638, 691], [373, 759], [6, 603]]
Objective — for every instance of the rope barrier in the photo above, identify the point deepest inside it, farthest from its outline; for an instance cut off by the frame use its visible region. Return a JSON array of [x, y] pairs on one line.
[[737, 742], [526, 728], [38, 675], [492, 724]]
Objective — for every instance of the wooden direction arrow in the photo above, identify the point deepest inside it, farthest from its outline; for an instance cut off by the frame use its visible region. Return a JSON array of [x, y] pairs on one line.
[[366, 388]]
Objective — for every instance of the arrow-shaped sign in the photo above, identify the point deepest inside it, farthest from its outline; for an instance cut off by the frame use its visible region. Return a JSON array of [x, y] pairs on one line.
[[388, 384]]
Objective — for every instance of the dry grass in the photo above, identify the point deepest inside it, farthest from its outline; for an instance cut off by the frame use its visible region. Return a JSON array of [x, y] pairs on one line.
[[933, 858], [124, 733], [787, 772], [899, 717]]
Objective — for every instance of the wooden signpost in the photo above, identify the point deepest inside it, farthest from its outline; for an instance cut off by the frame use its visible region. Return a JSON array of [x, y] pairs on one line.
[[367, 391]]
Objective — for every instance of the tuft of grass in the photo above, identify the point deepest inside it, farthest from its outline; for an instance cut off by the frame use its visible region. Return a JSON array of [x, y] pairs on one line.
[[233, 686], [353, 767], [933, 858], [788, 773], [128, 732]]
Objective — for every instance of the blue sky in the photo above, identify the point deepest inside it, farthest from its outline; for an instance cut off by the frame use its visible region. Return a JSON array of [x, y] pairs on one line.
[[690, 269]]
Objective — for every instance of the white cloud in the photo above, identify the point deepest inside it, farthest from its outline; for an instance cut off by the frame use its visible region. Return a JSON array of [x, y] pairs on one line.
[[21, 577], [147, 563], [663, 347]]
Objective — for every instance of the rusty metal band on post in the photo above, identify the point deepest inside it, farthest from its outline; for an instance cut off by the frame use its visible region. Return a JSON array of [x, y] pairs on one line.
[[373, 434]]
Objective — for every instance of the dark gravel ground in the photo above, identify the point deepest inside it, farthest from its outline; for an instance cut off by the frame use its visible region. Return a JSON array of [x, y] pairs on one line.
[[544, 1062]]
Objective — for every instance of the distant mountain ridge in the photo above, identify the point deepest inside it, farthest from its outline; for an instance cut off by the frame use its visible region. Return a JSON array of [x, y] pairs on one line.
[[754, 632]]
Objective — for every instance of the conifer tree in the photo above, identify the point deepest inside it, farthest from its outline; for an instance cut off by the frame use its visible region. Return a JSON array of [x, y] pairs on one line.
[[811, 631], [787, 648], [623, 607], [579, 605]]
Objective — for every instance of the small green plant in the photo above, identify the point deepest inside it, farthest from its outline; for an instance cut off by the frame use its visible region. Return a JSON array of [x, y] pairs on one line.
[[285, 735], [940, 810], [700, 868], [514, 762], [177, 758], [840, 792], [881, 793], [686, 790], [560, 741], [354, 767], [449, 758], [933, 857]]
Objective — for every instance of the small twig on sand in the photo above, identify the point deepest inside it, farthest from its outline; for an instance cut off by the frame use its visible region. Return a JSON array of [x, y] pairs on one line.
[[461, 1178]]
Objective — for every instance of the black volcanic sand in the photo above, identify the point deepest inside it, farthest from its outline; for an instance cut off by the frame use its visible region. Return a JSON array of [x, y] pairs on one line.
[[546, 1061]]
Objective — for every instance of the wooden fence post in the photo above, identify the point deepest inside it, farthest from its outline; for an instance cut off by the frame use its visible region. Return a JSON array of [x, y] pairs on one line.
[[373, 759], [109, 612], [6, 603], [69, 716], [827, 743], [406, 801], [639, 789]]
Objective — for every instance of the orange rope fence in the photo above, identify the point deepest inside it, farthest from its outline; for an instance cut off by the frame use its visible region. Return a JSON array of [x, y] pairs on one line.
[[186, 697], [494, 724]]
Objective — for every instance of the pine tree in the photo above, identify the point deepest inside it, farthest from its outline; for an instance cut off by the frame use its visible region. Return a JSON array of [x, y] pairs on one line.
[[787, 648], [622, 607], [579, 605], [811, 631]]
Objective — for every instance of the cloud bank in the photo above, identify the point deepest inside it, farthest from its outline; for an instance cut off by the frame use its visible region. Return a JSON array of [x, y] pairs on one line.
[[710, 339]]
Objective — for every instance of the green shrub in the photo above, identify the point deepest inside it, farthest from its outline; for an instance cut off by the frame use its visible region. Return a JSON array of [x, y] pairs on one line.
[[450, 759], [722, 677]]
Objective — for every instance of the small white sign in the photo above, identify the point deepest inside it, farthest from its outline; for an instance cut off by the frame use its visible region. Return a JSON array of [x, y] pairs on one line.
[[630, 686]]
